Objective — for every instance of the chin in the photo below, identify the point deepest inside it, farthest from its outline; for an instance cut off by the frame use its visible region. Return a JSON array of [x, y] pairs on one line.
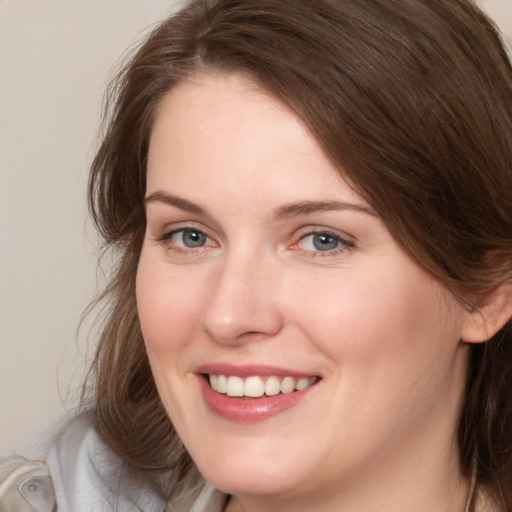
[[243, 474], [249, 482]]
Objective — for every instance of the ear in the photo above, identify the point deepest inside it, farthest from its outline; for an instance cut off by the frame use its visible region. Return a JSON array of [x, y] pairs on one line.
[[485, 321]]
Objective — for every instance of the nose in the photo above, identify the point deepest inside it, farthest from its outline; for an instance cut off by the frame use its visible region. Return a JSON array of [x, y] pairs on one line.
[[243, 303]]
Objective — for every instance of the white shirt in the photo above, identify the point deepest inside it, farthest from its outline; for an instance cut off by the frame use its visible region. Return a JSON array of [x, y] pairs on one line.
[[88, 477]]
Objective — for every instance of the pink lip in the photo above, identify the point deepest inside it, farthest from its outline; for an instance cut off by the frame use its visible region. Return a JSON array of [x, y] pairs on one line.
[[248, 410], [248, 370]]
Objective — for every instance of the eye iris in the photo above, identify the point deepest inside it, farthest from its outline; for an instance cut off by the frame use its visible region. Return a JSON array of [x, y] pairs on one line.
[[192, 238], [324, 242]]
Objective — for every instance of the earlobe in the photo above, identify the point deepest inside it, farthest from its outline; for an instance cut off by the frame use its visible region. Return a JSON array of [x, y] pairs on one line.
[[485, 321]]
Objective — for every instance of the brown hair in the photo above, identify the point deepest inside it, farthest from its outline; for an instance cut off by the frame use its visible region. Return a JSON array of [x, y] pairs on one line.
[[410, 99]]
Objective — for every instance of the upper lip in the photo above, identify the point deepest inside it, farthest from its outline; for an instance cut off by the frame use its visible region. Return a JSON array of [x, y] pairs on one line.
[[250, 370]]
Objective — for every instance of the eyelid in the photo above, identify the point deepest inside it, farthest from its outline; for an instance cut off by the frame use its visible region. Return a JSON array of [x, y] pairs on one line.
[[161, 219], [168, 235], [318, 229], [167, 231], [347, 241]]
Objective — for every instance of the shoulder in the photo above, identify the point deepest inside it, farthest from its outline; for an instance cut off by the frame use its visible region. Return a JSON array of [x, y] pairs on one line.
[[87, 476], [25, 485]]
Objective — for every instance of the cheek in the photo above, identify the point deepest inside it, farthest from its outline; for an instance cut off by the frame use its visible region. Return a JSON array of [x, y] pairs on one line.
[[168, 312], [392, 341], [168, 304], [392, 316]]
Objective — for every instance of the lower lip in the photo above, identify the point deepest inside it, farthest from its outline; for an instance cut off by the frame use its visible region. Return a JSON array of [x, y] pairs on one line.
[[249, 410]]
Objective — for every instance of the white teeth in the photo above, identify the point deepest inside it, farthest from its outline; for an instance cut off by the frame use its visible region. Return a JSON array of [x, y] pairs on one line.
[[222, 384], [256, 387], [302, 383], [235, 386], [288, 385], [272, 386]]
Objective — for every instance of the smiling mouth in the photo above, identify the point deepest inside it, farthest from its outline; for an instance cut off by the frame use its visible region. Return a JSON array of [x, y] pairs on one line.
[[256, 386]]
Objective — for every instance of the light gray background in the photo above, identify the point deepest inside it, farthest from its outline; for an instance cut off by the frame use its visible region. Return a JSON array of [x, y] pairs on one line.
[[55, 59]]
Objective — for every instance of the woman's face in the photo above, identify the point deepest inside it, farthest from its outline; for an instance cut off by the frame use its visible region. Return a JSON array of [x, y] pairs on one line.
[[262, 272]]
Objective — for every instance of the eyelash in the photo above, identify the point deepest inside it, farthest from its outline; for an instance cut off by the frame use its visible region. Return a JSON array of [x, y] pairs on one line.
[[166, 239], [343, 244]]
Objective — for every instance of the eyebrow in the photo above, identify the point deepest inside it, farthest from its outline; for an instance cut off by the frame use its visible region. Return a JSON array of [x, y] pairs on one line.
[[309, 207], [178, 202], [282, 212]]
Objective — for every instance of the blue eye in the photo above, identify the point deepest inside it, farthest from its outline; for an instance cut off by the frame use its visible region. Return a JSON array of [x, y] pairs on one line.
[[190, 238], [323, 242]]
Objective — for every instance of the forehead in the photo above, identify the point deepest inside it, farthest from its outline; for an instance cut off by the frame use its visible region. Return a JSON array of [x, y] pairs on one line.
[[217, 110], [223, 132]]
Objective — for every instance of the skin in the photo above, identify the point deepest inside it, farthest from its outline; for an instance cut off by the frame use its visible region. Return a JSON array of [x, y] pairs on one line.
[[384, 337]]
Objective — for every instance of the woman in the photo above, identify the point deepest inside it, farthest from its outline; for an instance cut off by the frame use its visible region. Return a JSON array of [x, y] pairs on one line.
[[310, 202]]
